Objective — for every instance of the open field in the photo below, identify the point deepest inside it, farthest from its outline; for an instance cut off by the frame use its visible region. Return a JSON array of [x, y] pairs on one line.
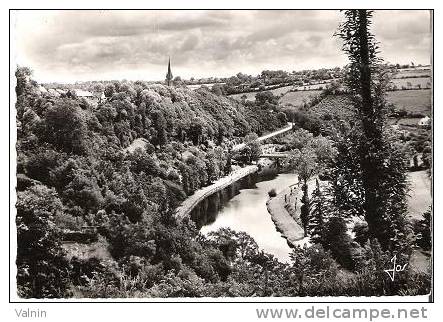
[[413, 72], [417, 101], [250, 96], [196, 86], [281, 90], [424, 82], [313, 87], [297, 98], [408, 121]]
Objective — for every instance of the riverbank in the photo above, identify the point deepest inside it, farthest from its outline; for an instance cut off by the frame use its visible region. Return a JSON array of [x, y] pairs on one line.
[[284, 209], [242, 208], [284, 222], [188, 205]]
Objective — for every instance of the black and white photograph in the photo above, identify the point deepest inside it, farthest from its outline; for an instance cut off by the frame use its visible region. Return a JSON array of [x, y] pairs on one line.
[[218, 155]]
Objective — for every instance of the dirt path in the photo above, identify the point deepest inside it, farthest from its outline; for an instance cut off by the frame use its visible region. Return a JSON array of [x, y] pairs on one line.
[[265, 137]]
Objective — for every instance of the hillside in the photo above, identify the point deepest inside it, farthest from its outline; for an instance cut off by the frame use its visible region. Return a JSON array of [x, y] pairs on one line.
[[78, 183], [412, 101], [171, 121]]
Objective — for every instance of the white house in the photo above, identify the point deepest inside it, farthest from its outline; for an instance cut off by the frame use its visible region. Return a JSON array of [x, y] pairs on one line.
[[426, 121], [82, 93], [53, 92], [42, 89]]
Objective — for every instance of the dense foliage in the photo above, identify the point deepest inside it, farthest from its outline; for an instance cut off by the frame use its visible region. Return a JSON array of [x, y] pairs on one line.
[[108, 174], [120, 166], [381, 186], [363, 199]]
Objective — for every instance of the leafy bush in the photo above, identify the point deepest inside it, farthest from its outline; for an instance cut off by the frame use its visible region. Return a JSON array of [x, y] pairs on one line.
[[272, 193]]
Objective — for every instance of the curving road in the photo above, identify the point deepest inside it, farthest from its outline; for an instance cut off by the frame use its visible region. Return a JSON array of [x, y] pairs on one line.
[[265, 137]]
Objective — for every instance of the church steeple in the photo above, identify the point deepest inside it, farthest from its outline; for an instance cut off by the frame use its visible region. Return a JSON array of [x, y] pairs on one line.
[[169, 74]]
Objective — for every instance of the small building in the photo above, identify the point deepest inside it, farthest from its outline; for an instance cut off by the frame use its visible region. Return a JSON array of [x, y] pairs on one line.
[[61, 91], [426, 121], [82, 93], [42, 89], [53, 92]]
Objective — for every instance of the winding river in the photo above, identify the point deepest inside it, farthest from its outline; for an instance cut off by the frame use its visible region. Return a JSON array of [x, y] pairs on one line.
[[242, 207]]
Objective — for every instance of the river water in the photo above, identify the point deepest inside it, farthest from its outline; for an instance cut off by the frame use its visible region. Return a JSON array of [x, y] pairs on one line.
[[242, 207]]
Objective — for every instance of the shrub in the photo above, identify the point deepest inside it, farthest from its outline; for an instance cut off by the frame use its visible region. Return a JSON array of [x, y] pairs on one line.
[[272, 193], [339, 242], [422, 229]]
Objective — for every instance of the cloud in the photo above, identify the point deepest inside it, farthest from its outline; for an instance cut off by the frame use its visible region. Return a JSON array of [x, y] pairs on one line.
[[81, 45], [189, 43]]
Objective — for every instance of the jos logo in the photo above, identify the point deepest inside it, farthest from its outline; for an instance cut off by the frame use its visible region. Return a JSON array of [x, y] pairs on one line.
[[395, 268]]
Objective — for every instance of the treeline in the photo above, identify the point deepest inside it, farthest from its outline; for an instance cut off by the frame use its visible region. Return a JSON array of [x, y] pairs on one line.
[[272, 79]]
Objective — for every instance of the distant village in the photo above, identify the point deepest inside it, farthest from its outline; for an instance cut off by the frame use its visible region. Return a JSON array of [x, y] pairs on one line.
[[267, 80]]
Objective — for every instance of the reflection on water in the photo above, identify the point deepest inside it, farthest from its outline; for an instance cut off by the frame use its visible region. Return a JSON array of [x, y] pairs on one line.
[[242, 207]]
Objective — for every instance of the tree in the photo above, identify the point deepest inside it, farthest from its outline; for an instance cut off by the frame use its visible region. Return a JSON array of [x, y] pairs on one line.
[[282, 118], [196, 130], [22, 75], [304, 163], [234, 244], [427, 156], [415, 161], [217, 89], [40, 164], [337, 240], [298, 139], [228, 165], [261, 98], [307, 162], [361, 233], [423, 230], [300, 265], [382, 183], [346, 179], [83, 193], [253, 147], [98, 90], [66, 126], [305, 208], [310, 155], [42, 270], [320, 212], [159, 124], [109, 90]]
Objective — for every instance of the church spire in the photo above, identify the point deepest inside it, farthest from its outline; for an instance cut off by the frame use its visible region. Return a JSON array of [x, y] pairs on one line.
[[169, 74]]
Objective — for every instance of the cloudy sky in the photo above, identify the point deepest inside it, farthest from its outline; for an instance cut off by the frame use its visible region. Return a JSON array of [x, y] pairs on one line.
[[68, 46]]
